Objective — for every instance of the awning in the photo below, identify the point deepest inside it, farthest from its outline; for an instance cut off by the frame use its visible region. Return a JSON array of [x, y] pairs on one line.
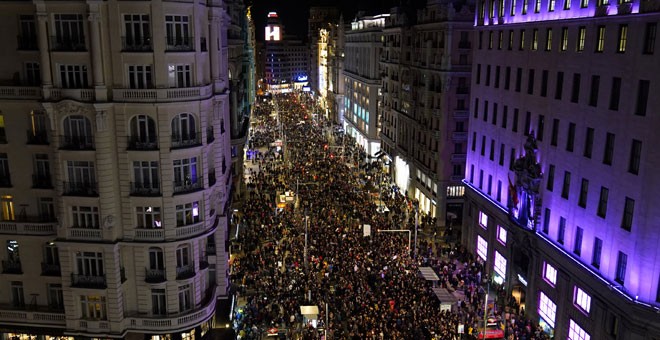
[[428, 274], [309, 311]]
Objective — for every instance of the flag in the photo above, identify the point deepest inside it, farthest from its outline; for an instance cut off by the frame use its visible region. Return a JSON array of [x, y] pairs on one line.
[[513, 193]]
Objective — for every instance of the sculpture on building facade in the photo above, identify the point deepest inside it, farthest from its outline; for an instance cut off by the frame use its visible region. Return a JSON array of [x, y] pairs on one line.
[[524, 200]]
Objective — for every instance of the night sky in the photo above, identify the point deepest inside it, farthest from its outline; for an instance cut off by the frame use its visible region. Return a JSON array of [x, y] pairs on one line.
[[294, 13]]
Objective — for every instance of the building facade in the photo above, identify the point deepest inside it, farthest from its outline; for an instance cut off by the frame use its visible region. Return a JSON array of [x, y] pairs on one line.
[[321, 19], [560, 168], [426, 76], [335, 61], [114, 159], [286, 59]]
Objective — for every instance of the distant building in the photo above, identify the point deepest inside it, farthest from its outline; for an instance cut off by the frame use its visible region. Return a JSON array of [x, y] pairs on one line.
[[286, 59], [561, 167], [320, 22]]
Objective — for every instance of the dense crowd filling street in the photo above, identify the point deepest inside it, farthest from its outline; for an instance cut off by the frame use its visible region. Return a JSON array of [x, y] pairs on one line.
[[312, 249]]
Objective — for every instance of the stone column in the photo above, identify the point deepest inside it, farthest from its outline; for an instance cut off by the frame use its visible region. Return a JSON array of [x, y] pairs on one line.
[[214, 54], [46, 78], [95, 40]]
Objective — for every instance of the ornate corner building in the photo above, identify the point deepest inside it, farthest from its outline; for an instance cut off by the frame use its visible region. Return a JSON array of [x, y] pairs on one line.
[[560, 170], [115, 167]]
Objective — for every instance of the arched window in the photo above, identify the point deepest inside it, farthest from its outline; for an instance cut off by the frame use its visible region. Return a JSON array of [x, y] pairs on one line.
[[78, 132], [184, 130], [156, 259], [143, 132]]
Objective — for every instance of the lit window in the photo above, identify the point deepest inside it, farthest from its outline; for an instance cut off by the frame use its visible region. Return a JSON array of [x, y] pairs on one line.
[[482, 248], [483, 220], [547, 309], [575, 332], [500, 264], [582, 300], [501, 234], [549, 274]]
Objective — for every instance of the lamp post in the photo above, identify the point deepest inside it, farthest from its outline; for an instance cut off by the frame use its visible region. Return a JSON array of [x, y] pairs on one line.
[[416, 206], [306, 262]]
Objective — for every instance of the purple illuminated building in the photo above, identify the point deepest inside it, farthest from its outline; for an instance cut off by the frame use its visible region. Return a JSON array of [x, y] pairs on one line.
[[560, 174]]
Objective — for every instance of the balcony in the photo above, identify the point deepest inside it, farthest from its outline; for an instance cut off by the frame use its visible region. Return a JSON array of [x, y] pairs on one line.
[[185, 272], [624, 8], [136, 44], [458, 157], [41, 181], [179, 44], [77, 142], [210, 136], [161, 95], [602, 10], [149, 234], [81, 95], [27, 43], [142, 144], [50, 269], [5, 181], [20, 92], [647, 6], [461, 115], [464, 45], [68, 44], [162, 323], [88, 281], [12, 267], [86, 234], [190, 230], [30, 225], [35, 318], [186, 140], [145, 189], [212, 178], [85, 189], [188, 185], [37, 137], [154, 275]]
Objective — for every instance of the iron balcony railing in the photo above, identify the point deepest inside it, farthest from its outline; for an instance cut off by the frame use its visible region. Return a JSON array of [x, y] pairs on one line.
[[50, 269], [188, 185], [180, 43], [154, 275], [62, 43], [12, 267], [136, 44], [142, 143], [185, 272], [81, 189], [145, 189], [88, 281], [37, 137], [77, 142], [186, 140]]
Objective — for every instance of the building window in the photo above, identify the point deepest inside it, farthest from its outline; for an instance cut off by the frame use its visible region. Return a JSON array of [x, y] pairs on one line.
[[505, 116], [184, 129], [55, 296], [561, 230], [187, 214], [143, 130], [546, 221], [5, 175], [530, 82], [500, 40], [179, 75], [547, 309], [69, 32], [477, 76], [623, 36], [89, 263], [17, 294], [512, 158], [139, 77], [138, 32], [183, 256], [570, 140], [608, 153], [551, 178], [93, 307], [600, 42], [513, 7], [501, 234], [593, 94], [524, 7], [535, 39], [602, 202], [514, 124], [575, 93], [474, 140], [577, 245], [85, 217], [73, 76], [628, 211], [649, 38], [497, 77], [145, 175], [156, 259], [564, 38], [501, 159], [32, 74], [621, 263], [185, 298], [521, 42], [588, 142], [472, 173], [584, 192], [635, 157], [499, 191], [582, 37], [598, 247], [177, 31], [518, 79], [544, 83], [548, 39], [507, 78], [559, 87], [549, 274], [482, 248], [148, 217], [567, 4], [500, 264], [490, 185], [615, 93], [575, 332], [584, 3], [158, 302], [642, 97], [491, 155], [483, 220]]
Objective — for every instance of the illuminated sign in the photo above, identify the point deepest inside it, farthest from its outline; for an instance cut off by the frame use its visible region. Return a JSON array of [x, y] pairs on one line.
[[273, 33], [522, 280], [302, 78]]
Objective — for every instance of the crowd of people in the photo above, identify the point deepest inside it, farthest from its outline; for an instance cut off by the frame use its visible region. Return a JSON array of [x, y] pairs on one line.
[[314, 251]]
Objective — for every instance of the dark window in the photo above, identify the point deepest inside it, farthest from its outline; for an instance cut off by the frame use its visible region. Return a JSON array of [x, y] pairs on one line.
[[530, 82], [514, 126], [550, 185], [510, 46], [481, 179], [544, 83], [499, 191], [593, 94], [546, 221], [483, 145], [512, 158], [628, 211], [501, 162], [649, 38], [485, 116], [577, 245], [621, 263], [478, 75], [507, 78], [488, 74], [588, 142], [584, 193], [635, 156], [505, 116], [575, 94], [491, 156], [570, 140], [474, 140], [559, 87], [540, 126], [566, 187], [602, 202], [497, 76], [494, 120], [555, 132], [608, 154], [642, 97], [615, 93], [518, 79], [472, 173], [528, 123], [490, 184], [562, 230], [598, 247]]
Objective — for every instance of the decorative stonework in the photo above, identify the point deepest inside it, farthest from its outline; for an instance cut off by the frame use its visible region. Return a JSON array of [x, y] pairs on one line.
[[524, 201], [101, 120]]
